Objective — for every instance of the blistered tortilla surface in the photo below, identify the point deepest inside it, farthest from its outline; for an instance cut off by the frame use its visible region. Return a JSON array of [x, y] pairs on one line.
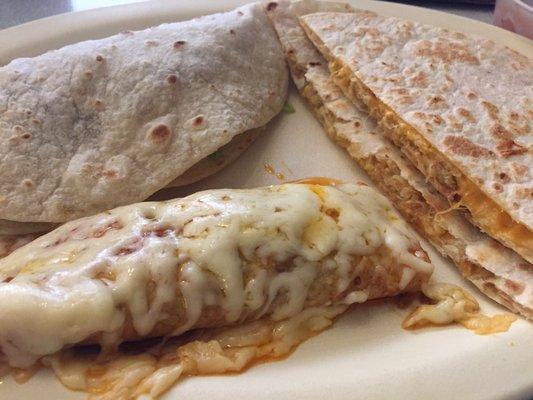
[[108, 122], [468, 96]]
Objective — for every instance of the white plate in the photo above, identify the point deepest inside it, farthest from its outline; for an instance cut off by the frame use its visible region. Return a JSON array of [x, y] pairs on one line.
[[366, 355]]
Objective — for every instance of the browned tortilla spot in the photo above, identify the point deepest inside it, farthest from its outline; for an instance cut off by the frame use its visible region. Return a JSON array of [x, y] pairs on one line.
[[500, 132], [513, 286], [179, 44], [28, 183], [520, 169], [508, 148], [524, 193], [271, 6], [463, 112], [513, 115], [445, 51], [503, 177], [198, 120], [464, 147], [99, 105], [160, 133], [419, 79], [437, 119], [436, 102], [491, 109], [110, 174]]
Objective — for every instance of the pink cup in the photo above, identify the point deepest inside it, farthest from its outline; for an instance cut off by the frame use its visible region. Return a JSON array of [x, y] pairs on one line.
[[515, 16]]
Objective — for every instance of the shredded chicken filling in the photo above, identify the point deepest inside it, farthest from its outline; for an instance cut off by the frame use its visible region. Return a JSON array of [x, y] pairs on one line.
[[411, 203]]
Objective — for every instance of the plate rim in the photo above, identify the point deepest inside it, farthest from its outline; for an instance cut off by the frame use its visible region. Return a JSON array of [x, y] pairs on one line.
[[86, 20]]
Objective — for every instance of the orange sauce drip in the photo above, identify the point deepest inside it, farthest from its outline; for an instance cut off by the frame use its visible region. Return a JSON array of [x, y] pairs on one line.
[[319, 180], [270, 170]]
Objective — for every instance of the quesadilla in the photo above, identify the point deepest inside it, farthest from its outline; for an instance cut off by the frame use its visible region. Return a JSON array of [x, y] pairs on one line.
[[497, 271], [108, 122], [459, 107], [211, 259]]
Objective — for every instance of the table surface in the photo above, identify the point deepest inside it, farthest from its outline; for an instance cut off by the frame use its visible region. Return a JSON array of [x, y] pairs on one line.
[[14, 12]]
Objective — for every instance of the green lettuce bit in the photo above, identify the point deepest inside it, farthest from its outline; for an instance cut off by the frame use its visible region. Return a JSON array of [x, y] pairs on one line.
[[288, 108], [216, 155]]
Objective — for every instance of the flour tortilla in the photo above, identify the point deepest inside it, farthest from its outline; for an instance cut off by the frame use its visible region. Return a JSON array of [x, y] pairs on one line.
[[497, 271], [108, 122], [460, 107], [215, 162], [9, 243], [22, 228]]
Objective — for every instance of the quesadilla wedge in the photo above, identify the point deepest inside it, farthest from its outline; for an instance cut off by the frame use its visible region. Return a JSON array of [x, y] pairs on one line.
[[459, 107], [497, 271], [212, 259], [108, 122]]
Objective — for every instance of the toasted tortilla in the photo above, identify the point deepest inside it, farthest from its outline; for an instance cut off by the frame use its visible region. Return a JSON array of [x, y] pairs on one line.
[[108, 122], [497, 271], [22, 228], [215, 162], [460, 107]]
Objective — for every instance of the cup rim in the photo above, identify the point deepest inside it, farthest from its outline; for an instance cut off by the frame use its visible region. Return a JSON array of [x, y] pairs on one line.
[[523, 4]]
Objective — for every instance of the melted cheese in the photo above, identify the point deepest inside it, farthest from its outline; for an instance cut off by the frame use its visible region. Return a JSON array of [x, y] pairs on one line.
[[162, 268], [454, 304], [223, 351]]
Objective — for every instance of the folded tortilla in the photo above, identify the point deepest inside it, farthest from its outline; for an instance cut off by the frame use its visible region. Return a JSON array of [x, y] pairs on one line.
[[211, 259], [215, 162], [496, 270], [459, 107], [108, 122], [9, 243], [201, 170], [23, 228]]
